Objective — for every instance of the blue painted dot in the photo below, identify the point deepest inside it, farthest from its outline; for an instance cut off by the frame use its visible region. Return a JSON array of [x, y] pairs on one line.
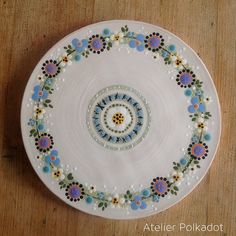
[[106, 32], [171, 47], [183, 161], [188, 92], [89, 200], [46, 169], [146, 192], [207, 137], [77, 57], [40, 127]]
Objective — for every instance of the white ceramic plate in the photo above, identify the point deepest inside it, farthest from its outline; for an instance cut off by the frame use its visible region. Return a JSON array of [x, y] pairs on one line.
[[121, 119]]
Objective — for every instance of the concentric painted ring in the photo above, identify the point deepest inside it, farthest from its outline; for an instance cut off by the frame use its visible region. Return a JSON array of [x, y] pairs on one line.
[[118, 117]]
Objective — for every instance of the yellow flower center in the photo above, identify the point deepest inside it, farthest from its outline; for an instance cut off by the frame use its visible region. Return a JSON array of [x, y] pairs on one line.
[[118, 118]]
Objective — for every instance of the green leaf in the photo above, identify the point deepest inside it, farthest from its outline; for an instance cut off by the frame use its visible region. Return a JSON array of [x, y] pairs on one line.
[[45, 104], [110, 44], [61, 183], [172, 192], [105, 204], [103, 208], [175, 168], [50, 105], [47, 88], [196, 162], [123, 29], [176, 188], [69, 46], [65, 47], [194, 119], [178, 164], [47, 100], [70, 176], [32, 131], [100, 204], [198, 166], [175, 193]]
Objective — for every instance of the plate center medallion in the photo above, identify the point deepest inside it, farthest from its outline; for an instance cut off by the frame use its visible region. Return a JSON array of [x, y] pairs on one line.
[[118, 117]]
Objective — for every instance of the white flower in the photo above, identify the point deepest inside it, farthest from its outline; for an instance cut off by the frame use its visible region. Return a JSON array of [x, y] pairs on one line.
[[201, 125], [58, 174], [39, 112], [92, 188], [177, 177], [65, 60], [117, 38], [178, 61]]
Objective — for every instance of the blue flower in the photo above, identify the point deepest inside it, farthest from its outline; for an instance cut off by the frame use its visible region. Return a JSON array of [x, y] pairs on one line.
[[49, 81], [79, 45], [155, 198], [164, 54], [39, 93], [195, 139], [137, 43], [130, 34], [198, 92], [196, 106], [101, 195], [53, 158], [138, 203], [31, 122], [106, 32]]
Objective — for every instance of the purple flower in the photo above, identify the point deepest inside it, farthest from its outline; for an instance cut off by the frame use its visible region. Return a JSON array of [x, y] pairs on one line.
[[137, 43], [138, 203], [53, 158], [196, 106], [79, 45], [39, 93]]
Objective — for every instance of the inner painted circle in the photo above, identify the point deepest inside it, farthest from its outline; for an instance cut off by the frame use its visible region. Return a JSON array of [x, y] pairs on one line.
[[118, 117]]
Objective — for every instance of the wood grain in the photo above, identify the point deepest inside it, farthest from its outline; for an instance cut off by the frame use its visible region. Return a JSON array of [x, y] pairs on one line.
[[29, 28]]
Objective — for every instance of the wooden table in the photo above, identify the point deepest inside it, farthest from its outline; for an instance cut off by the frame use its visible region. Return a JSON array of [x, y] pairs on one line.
[[29, 28]]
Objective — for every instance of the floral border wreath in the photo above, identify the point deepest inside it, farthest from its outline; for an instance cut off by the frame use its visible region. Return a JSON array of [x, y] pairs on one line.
[[159, 187]]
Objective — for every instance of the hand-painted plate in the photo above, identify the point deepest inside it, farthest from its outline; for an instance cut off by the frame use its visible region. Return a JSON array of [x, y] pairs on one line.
[[121, 119]]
